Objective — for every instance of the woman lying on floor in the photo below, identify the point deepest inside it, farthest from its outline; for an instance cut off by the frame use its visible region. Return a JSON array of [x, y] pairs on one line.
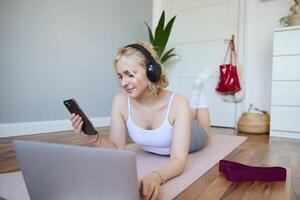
[[156, 119]]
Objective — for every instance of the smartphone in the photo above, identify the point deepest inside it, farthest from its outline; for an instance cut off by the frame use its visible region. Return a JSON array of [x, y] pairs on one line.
[[73, 107]]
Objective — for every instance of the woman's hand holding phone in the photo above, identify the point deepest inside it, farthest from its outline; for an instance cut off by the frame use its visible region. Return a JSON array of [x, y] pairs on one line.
[[77, 124]]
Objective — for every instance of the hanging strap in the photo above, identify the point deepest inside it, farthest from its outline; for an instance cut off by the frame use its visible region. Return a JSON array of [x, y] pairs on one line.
[[233, 53], [231, 48]]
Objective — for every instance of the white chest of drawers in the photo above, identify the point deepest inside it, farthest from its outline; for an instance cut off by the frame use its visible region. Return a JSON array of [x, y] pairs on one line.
[[285, 100]]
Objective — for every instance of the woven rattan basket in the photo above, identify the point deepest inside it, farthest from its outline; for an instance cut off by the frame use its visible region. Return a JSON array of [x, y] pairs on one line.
[[256, 123]]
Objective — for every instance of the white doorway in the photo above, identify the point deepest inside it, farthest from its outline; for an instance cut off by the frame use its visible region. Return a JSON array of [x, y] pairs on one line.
[[199, 37]]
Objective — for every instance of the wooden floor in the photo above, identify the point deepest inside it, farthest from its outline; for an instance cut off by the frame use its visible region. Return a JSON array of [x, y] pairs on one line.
[[259, 150]]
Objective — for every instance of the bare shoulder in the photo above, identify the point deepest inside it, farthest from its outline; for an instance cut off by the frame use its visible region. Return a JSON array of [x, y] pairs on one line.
[[119, 104], [120, 99], [181, 102], [180, 108]]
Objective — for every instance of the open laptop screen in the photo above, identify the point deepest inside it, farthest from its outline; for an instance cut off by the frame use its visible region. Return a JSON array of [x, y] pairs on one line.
[[55, 171]]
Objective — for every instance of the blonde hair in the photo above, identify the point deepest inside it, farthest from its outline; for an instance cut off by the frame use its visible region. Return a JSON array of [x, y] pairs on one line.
[[159, 85]]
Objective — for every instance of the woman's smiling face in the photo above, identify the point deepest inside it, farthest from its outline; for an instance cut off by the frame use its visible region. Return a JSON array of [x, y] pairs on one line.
[[132, 75]]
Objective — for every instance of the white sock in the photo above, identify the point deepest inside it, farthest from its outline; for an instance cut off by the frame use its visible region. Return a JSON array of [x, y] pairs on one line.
[[202, 77], [197, 99], [202, 101]]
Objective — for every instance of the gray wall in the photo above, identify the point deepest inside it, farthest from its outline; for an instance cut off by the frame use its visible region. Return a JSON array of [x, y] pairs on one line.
[[51, 50]]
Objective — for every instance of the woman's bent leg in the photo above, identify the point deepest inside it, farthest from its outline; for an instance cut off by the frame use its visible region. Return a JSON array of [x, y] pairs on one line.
[[201, 130], [203, 120], [199, 138]]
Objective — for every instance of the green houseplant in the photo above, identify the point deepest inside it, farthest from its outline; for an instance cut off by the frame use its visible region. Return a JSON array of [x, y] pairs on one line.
[[160, 37]]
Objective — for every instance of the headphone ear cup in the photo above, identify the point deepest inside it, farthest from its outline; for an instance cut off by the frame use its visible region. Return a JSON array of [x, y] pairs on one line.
[[153, 71]]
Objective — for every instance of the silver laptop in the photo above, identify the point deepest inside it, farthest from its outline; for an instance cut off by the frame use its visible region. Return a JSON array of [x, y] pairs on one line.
[[62, 172]]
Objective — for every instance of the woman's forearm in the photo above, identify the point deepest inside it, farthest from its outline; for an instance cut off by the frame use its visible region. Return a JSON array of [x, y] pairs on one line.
[[171, 169]]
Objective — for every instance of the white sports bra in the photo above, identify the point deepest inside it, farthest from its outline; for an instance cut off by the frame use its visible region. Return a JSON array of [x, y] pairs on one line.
[[157, 140]]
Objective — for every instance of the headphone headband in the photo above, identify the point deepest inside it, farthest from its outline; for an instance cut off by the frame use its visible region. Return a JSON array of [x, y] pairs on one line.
[[143, 50]]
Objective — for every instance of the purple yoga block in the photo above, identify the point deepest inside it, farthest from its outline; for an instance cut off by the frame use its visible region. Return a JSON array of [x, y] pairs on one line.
[[238, 172]]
